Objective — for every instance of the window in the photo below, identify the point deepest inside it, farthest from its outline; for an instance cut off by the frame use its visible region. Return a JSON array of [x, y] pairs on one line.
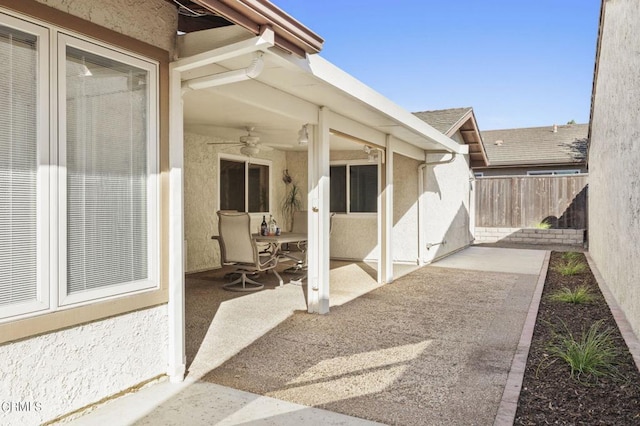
[[244, 185], [23, 198], [104, 222], [108, 164], [356, 183], [553, 172]]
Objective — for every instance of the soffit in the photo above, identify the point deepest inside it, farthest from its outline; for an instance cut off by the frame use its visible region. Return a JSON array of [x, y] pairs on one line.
[[283, 77]]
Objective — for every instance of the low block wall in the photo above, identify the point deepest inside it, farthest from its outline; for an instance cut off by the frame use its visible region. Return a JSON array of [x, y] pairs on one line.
[[571, 237]]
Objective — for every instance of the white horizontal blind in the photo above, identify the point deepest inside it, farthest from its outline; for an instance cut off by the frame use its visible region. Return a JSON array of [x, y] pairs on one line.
[[106, 145], [18, 166]]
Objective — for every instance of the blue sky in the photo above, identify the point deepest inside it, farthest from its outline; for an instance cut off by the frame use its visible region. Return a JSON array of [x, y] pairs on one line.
[[518, 63]]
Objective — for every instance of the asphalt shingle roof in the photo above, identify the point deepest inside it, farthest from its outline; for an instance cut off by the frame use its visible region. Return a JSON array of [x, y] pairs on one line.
[[536, 145], [444, 119]]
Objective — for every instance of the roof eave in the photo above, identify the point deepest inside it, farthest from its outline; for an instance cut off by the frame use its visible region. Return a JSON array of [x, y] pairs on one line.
[[470, 115], [290, 34], [325, 71]]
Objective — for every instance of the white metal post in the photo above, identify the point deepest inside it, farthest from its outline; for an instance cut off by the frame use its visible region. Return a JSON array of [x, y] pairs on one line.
[[386, 218], [318, 221], [176, 358]]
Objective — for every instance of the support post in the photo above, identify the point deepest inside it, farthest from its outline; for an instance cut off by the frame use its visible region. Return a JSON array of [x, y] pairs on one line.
[[385, 217], [176, 358], [318, 220]]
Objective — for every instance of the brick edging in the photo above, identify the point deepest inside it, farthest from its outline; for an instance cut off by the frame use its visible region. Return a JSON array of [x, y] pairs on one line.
[[624, 326], [509, 403]]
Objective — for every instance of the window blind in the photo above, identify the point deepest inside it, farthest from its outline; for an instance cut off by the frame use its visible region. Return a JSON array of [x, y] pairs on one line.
[[106, 146], [18, 166]]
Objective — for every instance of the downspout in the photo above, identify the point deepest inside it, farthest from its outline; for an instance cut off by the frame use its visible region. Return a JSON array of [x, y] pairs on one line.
[[421, 185], [252, 71]]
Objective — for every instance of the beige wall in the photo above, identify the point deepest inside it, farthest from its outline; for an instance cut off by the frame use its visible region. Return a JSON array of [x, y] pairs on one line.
[[446, 206], [405, 209], [71, 358], [614, 158], [298, 170], [152, 21], [201, 196], [353, 236]]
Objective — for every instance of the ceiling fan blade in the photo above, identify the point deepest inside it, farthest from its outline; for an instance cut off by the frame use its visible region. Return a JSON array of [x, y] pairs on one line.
[[278, 145], [264, 147]]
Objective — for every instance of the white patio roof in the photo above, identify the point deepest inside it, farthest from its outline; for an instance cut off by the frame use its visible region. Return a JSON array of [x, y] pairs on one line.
[[287, 94]]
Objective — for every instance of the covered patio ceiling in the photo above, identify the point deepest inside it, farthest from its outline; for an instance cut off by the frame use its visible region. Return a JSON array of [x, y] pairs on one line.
[[287, 94]]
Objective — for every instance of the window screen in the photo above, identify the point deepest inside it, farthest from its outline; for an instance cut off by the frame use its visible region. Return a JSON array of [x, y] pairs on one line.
[[106, 151], [258, 188], [240, 181], [363, 190], [338, 189], [18, 166], [232, 185]]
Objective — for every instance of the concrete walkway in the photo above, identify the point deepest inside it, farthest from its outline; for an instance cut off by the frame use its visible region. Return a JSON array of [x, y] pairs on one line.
[[433, 348]]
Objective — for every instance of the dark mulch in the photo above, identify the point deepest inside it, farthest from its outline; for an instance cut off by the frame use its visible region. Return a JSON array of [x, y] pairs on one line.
[[549, 395]]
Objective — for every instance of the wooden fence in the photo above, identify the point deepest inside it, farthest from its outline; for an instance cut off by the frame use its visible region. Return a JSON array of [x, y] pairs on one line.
[[524, 201]]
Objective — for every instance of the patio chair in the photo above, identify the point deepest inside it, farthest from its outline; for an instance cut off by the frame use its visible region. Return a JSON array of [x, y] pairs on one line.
[[238, 248], [300, 227]]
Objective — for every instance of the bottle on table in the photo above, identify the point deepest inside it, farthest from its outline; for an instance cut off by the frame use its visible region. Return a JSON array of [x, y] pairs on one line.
[[263, 226], [272, 225]]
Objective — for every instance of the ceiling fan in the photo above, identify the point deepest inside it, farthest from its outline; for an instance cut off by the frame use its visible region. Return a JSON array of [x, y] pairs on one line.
[[249, 143]]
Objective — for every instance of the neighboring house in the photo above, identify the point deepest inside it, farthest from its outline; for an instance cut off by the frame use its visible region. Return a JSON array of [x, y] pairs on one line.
[[614, 156], [549, 150], [109, 186]]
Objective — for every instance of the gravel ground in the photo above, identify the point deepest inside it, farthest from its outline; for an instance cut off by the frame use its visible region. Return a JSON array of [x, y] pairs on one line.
[[434, 347]]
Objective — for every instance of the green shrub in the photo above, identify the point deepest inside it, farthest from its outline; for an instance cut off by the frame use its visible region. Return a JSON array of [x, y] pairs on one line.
[[570, 256], [590, 357], [579, 295], [543, 225], [572, 267]]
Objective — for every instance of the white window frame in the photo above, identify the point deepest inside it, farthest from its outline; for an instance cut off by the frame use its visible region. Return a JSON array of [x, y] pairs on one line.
[[553, 172], [51, 188], [66, 40], [246, 161], [43, 276], [348, 164]]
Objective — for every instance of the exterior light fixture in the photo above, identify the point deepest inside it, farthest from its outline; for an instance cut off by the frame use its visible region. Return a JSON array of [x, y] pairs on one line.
[[303, 135]]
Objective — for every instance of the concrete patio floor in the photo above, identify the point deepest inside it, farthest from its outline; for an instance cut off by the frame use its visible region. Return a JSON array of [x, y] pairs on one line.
[[434, 347]]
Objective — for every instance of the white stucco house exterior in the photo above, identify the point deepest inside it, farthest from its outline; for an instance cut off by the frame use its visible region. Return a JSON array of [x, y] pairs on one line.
[[614, 155], [110, 159]]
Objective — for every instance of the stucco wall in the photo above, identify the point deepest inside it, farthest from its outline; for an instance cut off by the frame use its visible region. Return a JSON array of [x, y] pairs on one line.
[[353, 236], [153, 21], [614, 158], [405, 209], [201, 196], [446, 206], [67, 370]]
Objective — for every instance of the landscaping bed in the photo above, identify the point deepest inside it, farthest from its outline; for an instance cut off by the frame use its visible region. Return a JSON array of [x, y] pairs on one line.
[[550, 395]]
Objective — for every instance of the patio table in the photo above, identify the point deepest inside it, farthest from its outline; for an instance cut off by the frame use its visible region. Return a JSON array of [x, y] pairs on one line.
[[276, 242]]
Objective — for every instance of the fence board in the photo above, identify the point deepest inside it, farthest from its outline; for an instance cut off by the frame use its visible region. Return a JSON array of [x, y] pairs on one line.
[[524, 201]]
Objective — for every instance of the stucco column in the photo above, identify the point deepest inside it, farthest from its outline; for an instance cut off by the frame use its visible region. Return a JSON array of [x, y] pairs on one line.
[[318, 221]]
